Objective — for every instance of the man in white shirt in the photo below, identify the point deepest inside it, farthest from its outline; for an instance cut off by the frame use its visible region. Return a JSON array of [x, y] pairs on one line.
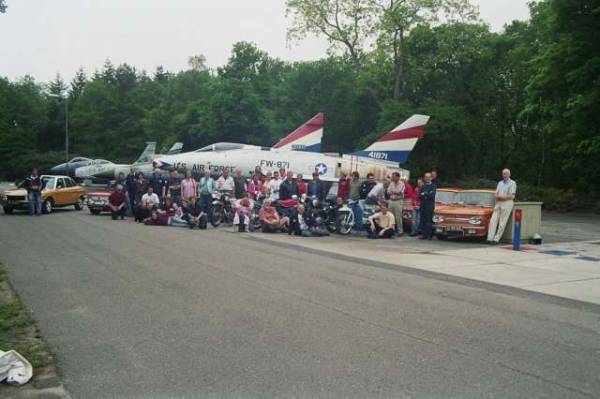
[[225, 182], [274, 184], [377, 193], [148, 202], [395, 192], [505, 195]]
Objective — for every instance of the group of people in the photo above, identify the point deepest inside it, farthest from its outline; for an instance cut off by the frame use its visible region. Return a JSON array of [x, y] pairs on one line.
[[177, 201]]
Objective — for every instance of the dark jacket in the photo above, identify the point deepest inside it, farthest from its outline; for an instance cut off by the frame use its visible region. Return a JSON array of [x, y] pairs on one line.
[[365, 188], [193, 210], [130, 183], [239, 186], [427, 194], [317, 189], [33, 184], [287, 189], [157, 183]]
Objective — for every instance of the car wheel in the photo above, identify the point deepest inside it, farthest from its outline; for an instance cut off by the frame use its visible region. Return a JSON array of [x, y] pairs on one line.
[[442, 237], [79, 204], [8, 210], [47, 206], [95, 211]]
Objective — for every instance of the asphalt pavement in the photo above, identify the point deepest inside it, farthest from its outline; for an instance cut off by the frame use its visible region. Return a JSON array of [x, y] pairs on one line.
[[135, 311]]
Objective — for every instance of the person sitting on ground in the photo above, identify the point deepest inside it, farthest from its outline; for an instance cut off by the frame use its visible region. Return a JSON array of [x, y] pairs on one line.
[[148, 203], [194, 214], [178, 219], [270, 221], [164, 215], [117, 203], [169, 206], [243, 212], [382, 223]]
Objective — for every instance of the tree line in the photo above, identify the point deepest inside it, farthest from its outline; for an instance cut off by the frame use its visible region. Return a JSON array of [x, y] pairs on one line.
[[527, 97]]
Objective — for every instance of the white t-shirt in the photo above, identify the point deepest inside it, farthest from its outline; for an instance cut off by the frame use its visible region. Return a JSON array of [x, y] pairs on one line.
[[274, 189], [225, 184], [508, 187], [150, 199], [377, 192]]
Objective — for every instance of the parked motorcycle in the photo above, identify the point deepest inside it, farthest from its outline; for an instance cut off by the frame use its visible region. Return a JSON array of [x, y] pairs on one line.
[[221, 210], [254, 223]]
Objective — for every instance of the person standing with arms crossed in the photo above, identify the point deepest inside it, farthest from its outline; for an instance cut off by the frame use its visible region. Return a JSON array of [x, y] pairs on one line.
[[34, 185], [427, 197], [505, 195]]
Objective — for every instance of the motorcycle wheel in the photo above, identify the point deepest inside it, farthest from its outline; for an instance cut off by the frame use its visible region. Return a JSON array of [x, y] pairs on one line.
[[216, 215], [345, 223]]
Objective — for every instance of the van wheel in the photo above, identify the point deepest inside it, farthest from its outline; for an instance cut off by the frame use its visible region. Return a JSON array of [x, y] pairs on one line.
[[8, 210], [47, 206], [94, 211], [79, 204]]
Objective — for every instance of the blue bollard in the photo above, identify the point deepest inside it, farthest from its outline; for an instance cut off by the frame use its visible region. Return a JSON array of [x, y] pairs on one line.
[[517, 230]]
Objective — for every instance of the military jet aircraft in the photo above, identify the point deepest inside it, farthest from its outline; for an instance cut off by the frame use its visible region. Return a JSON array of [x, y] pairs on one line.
[[103, 169], [68, 168], [381, 158], [305, 138]]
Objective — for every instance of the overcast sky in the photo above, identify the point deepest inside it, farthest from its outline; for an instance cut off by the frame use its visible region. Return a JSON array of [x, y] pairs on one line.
[[43, 37]]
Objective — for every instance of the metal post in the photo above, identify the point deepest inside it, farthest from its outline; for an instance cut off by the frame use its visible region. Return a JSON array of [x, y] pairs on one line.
[[67, 127], [517, 230]]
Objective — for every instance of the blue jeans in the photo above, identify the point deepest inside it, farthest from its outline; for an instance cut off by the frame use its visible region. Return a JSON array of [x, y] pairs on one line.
[[358, 216], [35, 202], [205, 202], [416, 220]]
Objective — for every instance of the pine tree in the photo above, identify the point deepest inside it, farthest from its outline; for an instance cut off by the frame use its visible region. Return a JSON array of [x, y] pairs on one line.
[[78, 83]]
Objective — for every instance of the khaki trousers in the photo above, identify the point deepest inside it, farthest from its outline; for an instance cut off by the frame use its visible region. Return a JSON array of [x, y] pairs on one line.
[[395, 207], [500, 216]]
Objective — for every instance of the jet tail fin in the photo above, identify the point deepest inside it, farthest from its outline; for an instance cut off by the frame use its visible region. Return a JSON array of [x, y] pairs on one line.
[[306, 138], [175, 149], [148, 152], [396, 145]]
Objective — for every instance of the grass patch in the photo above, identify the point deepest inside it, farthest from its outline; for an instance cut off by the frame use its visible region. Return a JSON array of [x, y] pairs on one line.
[[17, 330]]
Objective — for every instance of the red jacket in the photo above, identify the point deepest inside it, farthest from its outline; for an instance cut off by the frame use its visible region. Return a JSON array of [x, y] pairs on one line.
[[301, 186], [343, 188], [116, 198]]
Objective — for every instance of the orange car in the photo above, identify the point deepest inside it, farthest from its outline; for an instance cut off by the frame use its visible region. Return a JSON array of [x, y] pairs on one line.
[[59, 191], [443, 196], [463, 213]]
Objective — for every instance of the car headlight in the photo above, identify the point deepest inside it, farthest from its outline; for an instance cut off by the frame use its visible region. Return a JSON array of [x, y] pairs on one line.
[[475, 220], [438, 219]]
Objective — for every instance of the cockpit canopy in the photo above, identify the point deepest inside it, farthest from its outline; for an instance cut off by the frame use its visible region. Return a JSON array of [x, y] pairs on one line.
[[224, 146]]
